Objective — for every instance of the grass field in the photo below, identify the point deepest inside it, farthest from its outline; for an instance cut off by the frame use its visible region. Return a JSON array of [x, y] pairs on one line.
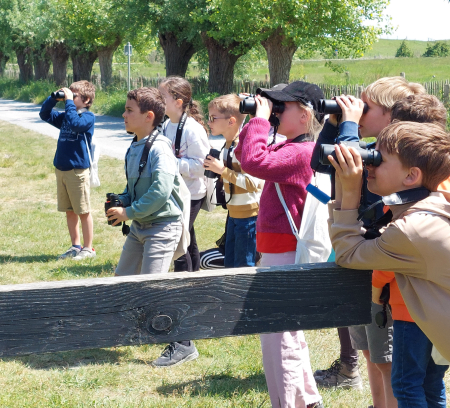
[[228, 372]]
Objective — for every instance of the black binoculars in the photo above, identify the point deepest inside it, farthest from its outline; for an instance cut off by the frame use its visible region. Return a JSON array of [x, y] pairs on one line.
[[368, 156]]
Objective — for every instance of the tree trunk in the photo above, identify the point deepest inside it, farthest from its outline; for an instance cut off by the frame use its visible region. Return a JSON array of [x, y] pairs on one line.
[[279, 54], [60, 55], [41, 62], [3, 60], [105, 57], [221, 65], [82, 62], [25, 61], [177, 54]]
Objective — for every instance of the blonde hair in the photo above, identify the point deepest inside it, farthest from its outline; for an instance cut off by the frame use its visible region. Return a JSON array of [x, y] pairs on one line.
[[228, 105], [422, 145], [386, 91], [314, 127], [86, 90]]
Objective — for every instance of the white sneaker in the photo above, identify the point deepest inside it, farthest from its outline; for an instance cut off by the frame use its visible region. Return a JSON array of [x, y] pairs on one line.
[[85, 253], [70, 253]]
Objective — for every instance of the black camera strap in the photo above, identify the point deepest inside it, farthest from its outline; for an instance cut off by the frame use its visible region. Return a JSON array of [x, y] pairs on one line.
[[180, 127]]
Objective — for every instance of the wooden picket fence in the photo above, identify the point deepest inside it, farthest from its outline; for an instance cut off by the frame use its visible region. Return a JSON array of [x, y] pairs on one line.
[[440, 89]]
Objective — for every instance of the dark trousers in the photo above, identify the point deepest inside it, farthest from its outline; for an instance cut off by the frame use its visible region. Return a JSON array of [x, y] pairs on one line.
[[349, 355], [190, 262]]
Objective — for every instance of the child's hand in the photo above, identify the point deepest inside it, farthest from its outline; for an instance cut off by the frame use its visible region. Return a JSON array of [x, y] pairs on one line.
[[68, 94], [349, 169], [263, 107], [211, 163], [376, 293], [116, 214], [352, 108]]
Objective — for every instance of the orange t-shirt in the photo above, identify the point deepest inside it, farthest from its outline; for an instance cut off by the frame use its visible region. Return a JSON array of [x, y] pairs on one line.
[[379, 279]]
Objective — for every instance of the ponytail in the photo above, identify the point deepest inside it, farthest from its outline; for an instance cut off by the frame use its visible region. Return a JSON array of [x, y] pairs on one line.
[[180, 88]]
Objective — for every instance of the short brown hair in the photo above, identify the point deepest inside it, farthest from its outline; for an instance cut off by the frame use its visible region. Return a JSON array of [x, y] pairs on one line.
[[422, 145], [85, 89], [228, 105], [149, 99], [386, 91], [420, 108]]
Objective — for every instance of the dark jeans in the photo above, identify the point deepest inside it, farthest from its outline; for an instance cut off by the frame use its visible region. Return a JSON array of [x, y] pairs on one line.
[[190, 262], [240, 244], [417, 381]]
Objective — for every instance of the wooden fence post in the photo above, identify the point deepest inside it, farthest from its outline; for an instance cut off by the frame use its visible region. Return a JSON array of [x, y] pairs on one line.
[[446, 92], [105, 312]]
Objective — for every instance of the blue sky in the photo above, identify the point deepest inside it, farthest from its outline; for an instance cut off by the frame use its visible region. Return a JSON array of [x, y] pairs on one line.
[[420, 19]]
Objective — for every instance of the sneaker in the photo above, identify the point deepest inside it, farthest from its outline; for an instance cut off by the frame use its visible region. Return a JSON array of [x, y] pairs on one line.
[[315, 405], [85, 253], [70, 253], [175, 354], [335, 365], [339, 375]]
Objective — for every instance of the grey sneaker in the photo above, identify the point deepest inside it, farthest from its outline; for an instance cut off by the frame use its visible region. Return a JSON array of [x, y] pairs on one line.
[[85, 253], [70, 253], [341, 377], [175, 354]]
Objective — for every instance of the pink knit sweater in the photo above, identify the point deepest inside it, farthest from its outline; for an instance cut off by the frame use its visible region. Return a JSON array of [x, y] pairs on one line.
[[288, 165]]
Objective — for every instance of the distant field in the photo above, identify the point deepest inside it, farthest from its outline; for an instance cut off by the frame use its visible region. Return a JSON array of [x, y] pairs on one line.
[[378, 62]]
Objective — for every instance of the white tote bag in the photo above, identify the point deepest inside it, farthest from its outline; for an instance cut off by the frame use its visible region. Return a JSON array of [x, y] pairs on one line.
[[93, 161], [185, 197], [313, 240]]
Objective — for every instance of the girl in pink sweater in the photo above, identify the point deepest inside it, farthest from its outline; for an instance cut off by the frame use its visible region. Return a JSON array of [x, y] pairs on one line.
[[285, 355]]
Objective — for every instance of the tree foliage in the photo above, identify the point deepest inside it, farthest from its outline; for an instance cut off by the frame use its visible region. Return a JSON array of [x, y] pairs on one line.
[[437, 49], [404, 51]]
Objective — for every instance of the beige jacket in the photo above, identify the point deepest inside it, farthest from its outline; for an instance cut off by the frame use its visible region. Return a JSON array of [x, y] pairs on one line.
[[416, 246]]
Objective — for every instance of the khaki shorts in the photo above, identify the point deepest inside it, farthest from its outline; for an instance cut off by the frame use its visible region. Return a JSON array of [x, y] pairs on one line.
[[72, 190]]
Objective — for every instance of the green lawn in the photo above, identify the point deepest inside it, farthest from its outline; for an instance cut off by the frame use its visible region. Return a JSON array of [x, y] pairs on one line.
[[228, 372]]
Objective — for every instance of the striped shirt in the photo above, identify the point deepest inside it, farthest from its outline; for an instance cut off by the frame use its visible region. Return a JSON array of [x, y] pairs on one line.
[[245, 190]]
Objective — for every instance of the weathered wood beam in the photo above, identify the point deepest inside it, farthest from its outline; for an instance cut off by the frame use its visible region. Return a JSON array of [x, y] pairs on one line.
[[106, 312]]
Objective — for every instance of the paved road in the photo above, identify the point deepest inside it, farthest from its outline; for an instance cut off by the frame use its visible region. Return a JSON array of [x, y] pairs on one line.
[[109, 132]]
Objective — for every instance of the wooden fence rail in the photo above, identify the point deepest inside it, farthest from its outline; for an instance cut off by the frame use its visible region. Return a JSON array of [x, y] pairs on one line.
[[106, 312], [440, 89]]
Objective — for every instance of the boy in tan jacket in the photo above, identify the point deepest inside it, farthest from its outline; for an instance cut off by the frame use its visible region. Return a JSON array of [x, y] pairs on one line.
[[415, 244]]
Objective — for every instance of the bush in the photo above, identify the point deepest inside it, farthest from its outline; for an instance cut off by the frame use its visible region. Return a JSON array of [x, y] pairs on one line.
[[438, 49], [404, 51]]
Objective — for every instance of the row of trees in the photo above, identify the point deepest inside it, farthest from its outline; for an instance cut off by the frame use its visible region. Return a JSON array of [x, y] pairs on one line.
[[44, 32], [436, 49]]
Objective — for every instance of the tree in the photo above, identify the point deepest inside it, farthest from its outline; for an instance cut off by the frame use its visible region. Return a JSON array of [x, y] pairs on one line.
[[223, 46], [97, 28], [283, 25], [404, 51], [178, 34], [437, 49]]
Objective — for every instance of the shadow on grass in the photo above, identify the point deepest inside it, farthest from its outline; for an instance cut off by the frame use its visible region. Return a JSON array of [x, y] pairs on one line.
[[70, 359], [82, 270], [224, 384]]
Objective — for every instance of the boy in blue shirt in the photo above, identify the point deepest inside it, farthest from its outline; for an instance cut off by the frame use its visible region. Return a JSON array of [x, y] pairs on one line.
[[72, 163]]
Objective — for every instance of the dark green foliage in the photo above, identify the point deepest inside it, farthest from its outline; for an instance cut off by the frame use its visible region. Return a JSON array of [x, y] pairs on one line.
[[404, 51], [437, 49]]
